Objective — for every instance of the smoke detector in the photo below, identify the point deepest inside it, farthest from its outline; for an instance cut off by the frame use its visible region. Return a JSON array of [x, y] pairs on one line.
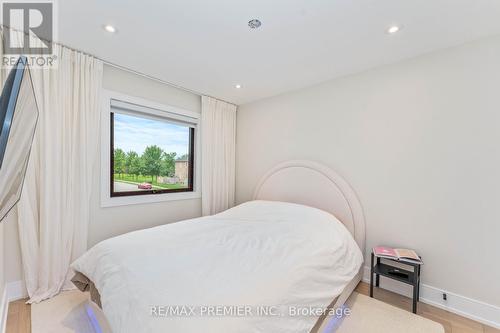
[[254, 24]]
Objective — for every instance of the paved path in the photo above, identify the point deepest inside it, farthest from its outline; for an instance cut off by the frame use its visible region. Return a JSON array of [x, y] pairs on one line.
[[125, 187]]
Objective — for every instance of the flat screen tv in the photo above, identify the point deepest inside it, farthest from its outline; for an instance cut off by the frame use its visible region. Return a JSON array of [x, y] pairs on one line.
[[18, 118]]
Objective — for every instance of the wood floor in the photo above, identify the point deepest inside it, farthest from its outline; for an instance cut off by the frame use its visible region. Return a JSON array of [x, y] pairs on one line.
[[19, 317]]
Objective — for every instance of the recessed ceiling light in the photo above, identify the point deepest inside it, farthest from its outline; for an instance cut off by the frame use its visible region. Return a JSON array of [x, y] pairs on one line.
[[254, 24], [393, 29], [238, 86], [109, 28]]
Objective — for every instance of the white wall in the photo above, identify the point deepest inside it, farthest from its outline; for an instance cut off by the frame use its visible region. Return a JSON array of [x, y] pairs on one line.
[[109, 222], [12, 258], [5, 261], [2, 265], [3, 295], [420, 143]]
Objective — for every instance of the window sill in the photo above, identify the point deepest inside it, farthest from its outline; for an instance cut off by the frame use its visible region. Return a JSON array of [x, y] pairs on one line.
[[145, 199]]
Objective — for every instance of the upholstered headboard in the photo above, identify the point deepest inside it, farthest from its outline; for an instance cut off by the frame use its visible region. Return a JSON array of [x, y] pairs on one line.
[[315, 185]]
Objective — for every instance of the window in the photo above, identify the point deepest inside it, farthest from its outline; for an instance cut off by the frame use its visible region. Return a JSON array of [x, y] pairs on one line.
[[150, 152]]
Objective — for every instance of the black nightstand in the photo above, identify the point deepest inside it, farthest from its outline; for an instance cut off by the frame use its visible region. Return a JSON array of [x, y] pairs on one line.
[[402, 275]]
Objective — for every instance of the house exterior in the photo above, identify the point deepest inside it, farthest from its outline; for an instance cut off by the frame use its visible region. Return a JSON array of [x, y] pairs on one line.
[[182, 170]]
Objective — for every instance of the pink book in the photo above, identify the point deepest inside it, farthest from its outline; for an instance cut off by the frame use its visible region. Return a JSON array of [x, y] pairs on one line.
[[385, 251], [397, 254]]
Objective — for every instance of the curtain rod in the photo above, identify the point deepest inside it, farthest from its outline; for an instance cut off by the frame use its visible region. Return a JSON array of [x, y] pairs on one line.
[[124, 68]]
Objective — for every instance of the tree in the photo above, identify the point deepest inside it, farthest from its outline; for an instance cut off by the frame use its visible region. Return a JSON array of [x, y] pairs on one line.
[[119, 161], [132, 163], [136, 166], [128, 161], [183, 157], [152, 161], [142, 166], [168, 164]]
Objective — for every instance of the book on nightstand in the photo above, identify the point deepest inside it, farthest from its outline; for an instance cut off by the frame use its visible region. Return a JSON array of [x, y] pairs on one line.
[[403, 255]]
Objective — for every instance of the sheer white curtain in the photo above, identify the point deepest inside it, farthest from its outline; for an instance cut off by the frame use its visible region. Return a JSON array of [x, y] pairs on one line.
[[53, 212], [218, 140]]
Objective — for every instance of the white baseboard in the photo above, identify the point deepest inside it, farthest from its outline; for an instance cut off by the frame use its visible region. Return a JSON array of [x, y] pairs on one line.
[[15, 290], [12, 292], [4, 308], [464, 306]]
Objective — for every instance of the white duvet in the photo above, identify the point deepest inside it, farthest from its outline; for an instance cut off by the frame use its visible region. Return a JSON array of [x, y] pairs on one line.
[[251, 268]]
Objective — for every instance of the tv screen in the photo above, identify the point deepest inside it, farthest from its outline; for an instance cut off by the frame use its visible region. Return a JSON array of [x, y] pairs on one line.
[[18, 118]]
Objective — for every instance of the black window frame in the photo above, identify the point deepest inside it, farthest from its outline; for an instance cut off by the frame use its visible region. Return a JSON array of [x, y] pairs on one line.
[[189, 188]]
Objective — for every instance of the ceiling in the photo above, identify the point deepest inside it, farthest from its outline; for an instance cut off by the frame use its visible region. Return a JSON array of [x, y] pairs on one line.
[[207, 46]]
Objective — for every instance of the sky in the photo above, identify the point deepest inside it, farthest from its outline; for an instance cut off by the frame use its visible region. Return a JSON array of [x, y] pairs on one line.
[[136, 133]]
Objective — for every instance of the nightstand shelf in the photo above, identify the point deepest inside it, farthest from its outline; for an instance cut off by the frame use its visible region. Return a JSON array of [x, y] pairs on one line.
[[396, 273]]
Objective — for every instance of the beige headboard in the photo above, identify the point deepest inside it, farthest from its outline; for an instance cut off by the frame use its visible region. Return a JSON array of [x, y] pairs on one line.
[[313, 184]]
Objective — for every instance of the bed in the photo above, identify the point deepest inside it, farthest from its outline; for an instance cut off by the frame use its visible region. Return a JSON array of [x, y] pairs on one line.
[[267, 265]]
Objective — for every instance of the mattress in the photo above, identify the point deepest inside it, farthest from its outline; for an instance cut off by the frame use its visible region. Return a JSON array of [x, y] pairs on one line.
[[258, 267]]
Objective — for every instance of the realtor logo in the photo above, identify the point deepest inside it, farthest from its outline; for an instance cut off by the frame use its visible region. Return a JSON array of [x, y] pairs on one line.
[[29, 27]]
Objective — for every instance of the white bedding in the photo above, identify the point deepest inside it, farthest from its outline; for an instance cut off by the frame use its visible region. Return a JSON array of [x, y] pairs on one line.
[[273, 255]]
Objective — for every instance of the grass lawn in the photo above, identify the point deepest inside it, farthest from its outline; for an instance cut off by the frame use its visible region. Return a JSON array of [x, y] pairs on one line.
[[137, 179]]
